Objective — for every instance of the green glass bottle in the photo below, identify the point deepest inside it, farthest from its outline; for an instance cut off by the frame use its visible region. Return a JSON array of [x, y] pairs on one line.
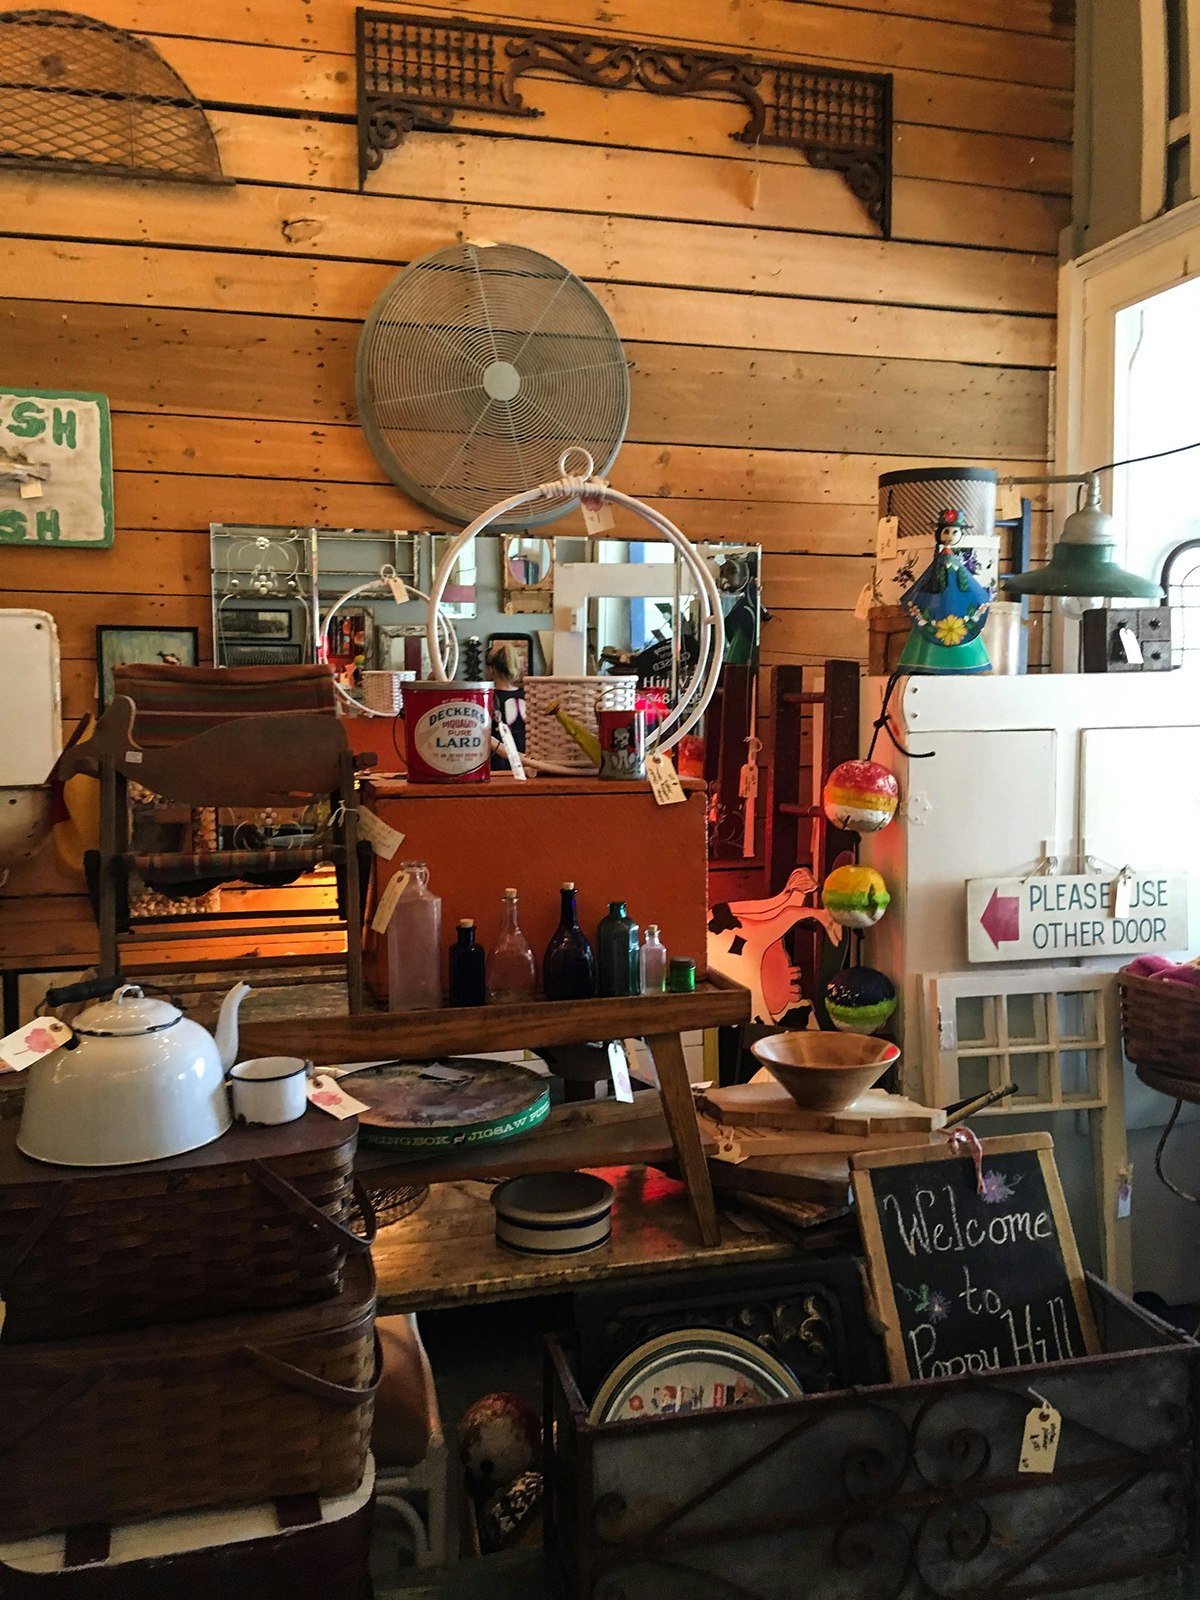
[[681, 975], [617, 952]]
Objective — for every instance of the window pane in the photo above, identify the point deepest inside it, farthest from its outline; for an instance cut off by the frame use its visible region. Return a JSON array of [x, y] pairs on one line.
[[976, 1075], [976, 1020], [1079, 1074], [1031, 1074], [1077, 1017], [1027, 1018]]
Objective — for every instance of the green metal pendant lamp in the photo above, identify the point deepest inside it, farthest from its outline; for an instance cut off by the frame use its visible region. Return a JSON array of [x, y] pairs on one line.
[[1081, 563]]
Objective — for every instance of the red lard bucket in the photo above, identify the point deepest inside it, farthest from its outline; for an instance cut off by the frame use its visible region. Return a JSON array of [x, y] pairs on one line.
[[448, 731]]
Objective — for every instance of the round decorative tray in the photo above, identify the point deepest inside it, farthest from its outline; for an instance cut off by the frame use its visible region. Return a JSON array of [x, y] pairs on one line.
[[439, 1105], [694, 1369]]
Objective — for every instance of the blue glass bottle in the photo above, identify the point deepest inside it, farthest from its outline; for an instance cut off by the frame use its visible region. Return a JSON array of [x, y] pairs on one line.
[[569, 967]]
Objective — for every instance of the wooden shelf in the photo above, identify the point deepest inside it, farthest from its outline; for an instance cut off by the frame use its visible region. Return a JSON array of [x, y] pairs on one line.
[[429, 1035], [446, 1253], [590, 1133], [424, 1035]]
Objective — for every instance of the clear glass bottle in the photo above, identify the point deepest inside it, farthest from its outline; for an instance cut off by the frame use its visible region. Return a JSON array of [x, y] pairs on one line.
[[617, 949], [511, 969], [414, 944], [468, 986], [569, 967], [652, 962]]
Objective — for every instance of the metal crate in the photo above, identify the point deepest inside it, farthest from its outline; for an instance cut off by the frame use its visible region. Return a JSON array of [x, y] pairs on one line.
[[896, 1492]]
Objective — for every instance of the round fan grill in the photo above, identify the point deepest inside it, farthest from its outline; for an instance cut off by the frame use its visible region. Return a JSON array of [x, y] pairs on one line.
[[477, 367]]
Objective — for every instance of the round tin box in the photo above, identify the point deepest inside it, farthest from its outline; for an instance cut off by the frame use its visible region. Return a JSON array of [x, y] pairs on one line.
[[553, 1213], [448, 731]]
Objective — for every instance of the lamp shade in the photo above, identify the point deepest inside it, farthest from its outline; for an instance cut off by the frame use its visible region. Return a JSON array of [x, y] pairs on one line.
[[1085, 570], [1081, 563]]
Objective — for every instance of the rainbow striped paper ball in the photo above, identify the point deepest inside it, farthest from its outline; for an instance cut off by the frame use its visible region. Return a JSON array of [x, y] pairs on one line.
[[861, 796], [859, 1000], [855, 896]]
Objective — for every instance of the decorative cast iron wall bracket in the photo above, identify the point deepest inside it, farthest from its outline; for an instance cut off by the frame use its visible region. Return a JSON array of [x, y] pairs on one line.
[[416, 72]]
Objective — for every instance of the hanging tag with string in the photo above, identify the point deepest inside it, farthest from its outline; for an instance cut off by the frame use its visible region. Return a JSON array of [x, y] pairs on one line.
[[597, 513]]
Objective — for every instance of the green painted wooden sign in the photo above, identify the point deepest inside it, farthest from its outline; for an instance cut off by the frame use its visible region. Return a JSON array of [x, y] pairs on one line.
[[55, 469]]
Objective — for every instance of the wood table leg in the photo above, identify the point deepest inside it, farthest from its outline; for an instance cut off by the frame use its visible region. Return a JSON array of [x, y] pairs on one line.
[[680, 1112]]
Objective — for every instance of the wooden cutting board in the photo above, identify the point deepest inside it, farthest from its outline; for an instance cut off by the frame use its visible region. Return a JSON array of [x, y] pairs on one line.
[[765, 1103]]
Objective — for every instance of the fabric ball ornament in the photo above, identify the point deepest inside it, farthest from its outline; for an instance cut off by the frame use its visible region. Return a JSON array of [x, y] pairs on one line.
[[855, 896], [860, 1000], [860, 795], [499, 1439]]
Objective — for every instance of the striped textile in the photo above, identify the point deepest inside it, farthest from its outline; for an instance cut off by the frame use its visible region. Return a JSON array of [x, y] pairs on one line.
[[158, 868], [176, 703]]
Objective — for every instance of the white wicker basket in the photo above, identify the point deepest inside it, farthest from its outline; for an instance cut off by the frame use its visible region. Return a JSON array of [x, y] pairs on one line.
[[381, 690], [548, 745]]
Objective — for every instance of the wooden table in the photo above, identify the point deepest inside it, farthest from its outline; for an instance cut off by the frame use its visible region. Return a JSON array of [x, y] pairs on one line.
[[660, 1019], [445, 1255]]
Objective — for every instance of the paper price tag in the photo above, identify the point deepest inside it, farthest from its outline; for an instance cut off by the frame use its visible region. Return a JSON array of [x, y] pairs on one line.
[[31, 489], [29, 1044], [385, 841], [862, 606], [618, 1066], [399, 592], [1125, 1192], [887, 543], [1119, 901], [1039, 1449], [387, 902], [664, 780], [1130, 648], [324, 1093], [597, 513], [511, 751], [134, 757], [748, 783]]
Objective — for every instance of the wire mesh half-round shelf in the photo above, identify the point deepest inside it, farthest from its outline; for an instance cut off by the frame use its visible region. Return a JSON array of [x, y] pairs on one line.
[[391, 1204]]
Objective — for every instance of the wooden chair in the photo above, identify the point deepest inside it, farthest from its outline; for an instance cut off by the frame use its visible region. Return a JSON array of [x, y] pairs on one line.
[[251, 739]]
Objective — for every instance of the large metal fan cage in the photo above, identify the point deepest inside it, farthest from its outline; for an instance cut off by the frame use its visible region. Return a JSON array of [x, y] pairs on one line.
[[477, 366]]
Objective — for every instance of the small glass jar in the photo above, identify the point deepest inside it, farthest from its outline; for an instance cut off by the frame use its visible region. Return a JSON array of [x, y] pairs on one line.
[[681, 975]]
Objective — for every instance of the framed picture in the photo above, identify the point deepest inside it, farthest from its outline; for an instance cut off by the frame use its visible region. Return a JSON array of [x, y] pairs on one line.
[[265, 623], [522, 643], [156, 647]]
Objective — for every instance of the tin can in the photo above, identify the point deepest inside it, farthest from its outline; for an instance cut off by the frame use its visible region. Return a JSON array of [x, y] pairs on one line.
[[448, 731], [622, 744]]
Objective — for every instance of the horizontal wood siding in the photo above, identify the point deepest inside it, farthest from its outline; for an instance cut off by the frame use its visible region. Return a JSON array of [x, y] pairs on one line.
[[783, 355]]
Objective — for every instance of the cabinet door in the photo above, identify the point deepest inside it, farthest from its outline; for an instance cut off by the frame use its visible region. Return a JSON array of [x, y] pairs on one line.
[[982, 807]]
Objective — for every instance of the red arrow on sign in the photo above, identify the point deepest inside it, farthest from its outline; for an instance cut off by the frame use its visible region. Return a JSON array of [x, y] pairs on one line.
[[1001, 919]]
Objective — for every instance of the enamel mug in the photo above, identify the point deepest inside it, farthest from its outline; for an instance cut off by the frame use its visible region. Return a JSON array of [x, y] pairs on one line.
[[269, 1090]]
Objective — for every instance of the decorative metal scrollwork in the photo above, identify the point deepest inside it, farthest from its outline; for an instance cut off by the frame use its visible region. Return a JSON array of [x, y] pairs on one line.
[[415, 72]]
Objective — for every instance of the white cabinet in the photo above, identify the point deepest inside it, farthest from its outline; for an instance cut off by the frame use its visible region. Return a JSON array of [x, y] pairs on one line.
[[1023, 768]]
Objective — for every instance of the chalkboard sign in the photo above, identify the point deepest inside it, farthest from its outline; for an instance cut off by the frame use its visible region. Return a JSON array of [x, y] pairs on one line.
[[967, 1282]]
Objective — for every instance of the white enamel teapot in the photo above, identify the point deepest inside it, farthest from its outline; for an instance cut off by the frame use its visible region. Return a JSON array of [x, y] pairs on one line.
[[138, 1083]]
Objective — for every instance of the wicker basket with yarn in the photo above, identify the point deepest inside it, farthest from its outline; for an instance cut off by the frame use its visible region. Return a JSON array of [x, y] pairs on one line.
[[548, 745], [1160, 1023]]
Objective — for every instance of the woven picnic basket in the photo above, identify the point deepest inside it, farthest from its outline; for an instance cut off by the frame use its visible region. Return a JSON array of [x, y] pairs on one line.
[[548, 745], [260, 1219], [228, 1411], [1160, 1024]]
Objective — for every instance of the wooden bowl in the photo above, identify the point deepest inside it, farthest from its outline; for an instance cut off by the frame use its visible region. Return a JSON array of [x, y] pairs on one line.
[[826, 1071]]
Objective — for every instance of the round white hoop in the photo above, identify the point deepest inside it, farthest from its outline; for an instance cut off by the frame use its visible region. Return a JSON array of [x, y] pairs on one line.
[[443, 651], [711, 652]]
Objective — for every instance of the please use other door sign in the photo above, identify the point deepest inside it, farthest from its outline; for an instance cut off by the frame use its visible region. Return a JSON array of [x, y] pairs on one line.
[[1050, 918]]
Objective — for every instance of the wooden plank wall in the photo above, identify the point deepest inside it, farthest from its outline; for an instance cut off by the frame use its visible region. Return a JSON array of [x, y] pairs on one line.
[[783, 354]]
